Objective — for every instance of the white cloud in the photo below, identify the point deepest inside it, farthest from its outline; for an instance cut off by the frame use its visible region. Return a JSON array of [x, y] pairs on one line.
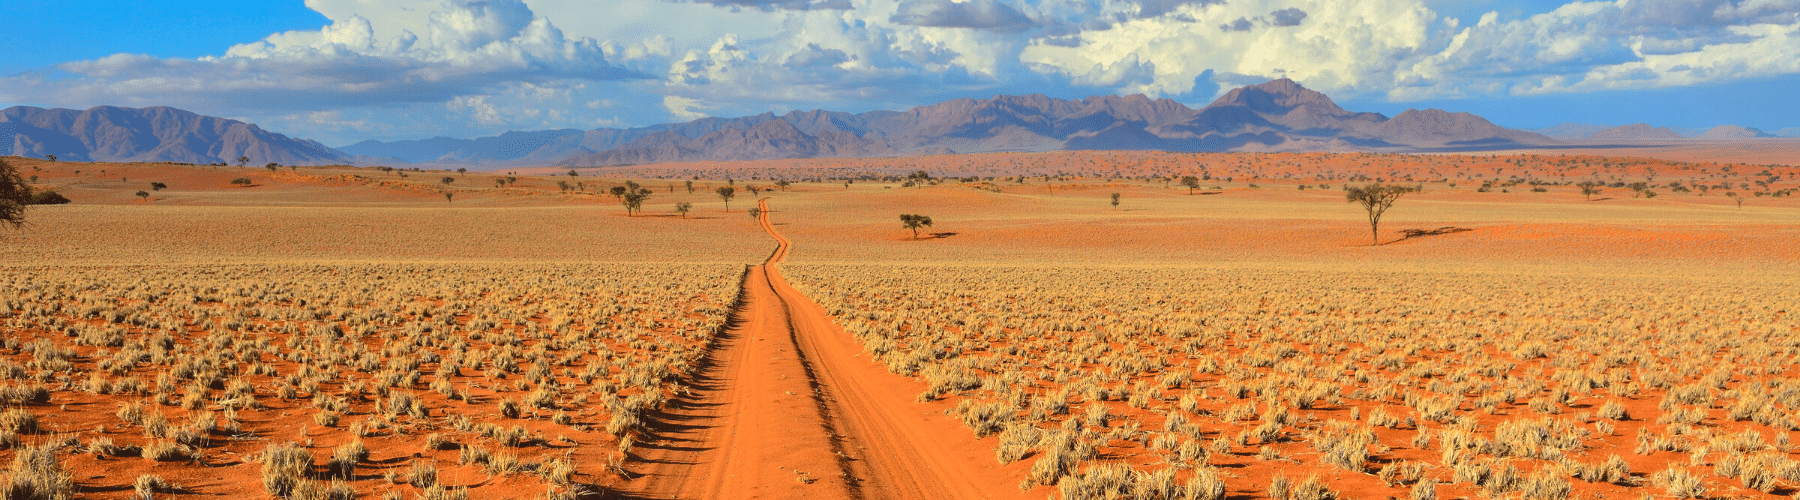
[[1772, 49], [1324, 44], [467, 49], [682, 107]]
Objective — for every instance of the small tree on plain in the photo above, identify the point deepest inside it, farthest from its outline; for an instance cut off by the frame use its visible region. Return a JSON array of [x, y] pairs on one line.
[[14, 196], [447, 180], [726, 193], [634, 200], [462, 171], [573, 173], [272, 166], [143, 194], [1191, 182], [158, 186], [690, 187], [1376, 199], [783, 184], [683, 207], [914, 222], [755, 212], [1115, 201], [1589, 189], [243, 160], [618, 192], [52, 158], [1737, 198], [448, 195]]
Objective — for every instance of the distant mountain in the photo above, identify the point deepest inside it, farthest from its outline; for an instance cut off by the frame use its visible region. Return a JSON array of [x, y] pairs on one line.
[[1571, 131], [1635, 132], [1280, 115], [108, 133], [1724, 132]]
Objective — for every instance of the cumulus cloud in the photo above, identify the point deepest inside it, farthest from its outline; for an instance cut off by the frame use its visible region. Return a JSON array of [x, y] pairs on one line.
[[471, 48], [1588, 46]]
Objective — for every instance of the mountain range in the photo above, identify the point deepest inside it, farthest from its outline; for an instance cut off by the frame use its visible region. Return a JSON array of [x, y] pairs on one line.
[[155, 134], [1646, 132], [1279, 115]]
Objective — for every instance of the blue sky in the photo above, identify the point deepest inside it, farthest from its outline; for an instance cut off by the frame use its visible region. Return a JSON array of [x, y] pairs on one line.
[[345, 70]]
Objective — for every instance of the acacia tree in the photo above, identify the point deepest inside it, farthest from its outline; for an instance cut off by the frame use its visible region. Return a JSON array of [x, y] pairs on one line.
[[1191, 182], [726, 193], [683, 208], [1589, 189], [690, 187], [914, 222], [14, 196], [634, 200], [143, 194], [242, 160], [783, 184], [52, 158], [1375, 199], [1115, 201]]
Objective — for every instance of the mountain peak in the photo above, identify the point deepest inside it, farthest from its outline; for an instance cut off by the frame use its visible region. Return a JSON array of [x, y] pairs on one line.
[[1278, 97]]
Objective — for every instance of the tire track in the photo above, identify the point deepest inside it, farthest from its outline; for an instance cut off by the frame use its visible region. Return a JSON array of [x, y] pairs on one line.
[[786, 405]]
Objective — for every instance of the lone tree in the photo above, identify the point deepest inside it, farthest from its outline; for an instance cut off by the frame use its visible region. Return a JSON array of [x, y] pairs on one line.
[[783, 184], [914, 222], [618, 192], [448, 195], [1115, 201], [1191, 182], [52, 158], [726, 193], [447, 180], [243, 160], [14, 196], [634, 200], [158, 186], [690, 187], [1737, 198], [272, 166], [143, 194], [683, 207], [755, 213], [1375, 198], [1589, 189]]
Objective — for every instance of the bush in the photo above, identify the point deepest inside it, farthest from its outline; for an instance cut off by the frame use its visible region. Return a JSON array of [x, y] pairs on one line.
[[49, 198], [36, 473], [285, 468], [242, 181]]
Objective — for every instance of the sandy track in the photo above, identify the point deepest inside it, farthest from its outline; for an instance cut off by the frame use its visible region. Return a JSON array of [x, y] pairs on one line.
[[787, 391], [898, 448], [753, 426]]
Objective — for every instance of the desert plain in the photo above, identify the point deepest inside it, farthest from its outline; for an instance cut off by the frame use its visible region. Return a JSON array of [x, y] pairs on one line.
[[1074, 325]]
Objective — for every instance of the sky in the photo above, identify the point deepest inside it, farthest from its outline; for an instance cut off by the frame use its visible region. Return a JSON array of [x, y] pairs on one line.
[[342, 71]]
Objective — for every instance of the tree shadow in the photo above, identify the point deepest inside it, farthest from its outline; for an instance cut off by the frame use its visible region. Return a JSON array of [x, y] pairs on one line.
[[942, 235], [1407, 234]]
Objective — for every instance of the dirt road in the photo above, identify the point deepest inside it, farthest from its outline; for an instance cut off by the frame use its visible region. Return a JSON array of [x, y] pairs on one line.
[[788, 406]]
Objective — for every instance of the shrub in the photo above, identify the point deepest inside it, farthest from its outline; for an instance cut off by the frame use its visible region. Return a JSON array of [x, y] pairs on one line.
[[49, 198], [37, 474], [285, 470]]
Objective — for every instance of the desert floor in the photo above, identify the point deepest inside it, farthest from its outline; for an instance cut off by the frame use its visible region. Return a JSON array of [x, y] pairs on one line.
[[525, 337]]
